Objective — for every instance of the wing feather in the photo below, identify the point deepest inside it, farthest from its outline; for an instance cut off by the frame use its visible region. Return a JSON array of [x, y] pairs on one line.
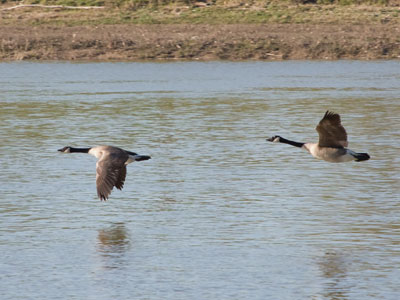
[[331, 132], [110, 172], [121, 178]]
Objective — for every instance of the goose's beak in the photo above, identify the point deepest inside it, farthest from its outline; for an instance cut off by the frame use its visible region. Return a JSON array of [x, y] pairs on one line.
[[271, 139], [61, 150]]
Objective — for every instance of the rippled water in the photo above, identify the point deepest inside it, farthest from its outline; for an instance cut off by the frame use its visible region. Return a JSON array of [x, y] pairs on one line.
[[217, 213]]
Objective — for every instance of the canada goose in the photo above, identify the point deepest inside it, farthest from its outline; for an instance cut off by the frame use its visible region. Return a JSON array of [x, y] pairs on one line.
[[110, 166], [331, 144]]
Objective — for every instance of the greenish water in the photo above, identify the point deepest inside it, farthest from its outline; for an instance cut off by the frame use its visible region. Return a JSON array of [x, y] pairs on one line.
[[217, 213]]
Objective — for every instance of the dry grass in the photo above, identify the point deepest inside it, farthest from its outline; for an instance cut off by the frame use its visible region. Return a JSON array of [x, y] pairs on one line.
[[232, 12], [261, 30], [201, 42]]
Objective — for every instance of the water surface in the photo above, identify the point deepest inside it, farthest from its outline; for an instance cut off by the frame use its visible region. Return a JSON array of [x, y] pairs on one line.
[[217, 213]]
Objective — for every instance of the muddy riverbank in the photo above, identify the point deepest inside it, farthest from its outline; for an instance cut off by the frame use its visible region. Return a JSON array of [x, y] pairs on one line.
[[62, 35], [200, 42]]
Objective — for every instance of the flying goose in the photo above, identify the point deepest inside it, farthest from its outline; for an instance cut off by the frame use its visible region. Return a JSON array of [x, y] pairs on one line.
[[331, 144], [110, 166]]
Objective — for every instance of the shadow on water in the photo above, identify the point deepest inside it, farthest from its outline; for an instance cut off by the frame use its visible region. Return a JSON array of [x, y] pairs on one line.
[[112, 244], [333, 269]]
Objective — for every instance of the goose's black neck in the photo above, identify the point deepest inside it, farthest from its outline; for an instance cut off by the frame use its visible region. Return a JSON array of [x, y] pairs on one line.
[[82, 150], [285, 141]]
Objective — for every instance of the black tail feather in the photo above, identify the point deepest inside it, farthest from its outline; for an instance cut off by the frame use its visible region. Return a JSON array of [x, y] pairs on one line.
[[361, 156], [142, 157]]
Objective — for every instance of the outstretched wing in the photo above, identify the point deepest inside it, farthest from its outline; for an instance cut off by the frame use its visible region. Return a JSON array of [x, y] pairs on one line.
[[331, 132], [121, 178], [110, 172]]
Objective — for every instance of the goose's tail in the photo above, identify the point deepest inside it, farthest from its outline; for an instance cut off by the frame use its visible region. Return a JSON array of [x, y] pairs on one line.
[[361, 156], [141, 157]]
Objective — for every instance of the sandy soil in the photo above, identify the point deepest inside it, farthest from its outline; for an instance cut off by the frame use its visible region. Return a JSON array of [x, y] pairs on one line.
[[199, 42]]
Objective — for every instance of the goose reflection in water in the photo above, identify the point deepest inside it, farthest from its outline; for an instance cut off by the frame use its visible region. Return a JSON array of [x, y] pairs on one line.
[[113, 243], [333, 267]]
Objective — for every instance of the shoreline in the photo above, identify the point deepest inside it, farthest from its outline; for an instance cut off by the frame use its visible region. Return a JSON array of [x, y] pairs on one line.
[[200, 42], [324, 33]]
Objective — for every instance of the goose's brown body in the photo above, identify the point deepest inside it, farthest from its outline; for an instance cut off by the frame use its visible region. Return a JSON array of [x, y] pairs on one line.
[[110, 166], [331, 144]]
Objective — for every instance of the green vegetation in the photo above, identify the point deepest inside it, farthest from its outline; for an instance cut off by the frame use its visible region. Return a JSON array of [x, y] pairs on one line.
[[208, 12], [343, 2], [297, 29], [60, 2], [137, 4]]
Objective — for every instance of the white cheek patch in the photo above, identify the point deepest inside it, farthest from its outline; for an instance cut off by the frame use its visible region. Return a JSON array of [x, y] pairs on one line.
[[276, 140], [130, 159]]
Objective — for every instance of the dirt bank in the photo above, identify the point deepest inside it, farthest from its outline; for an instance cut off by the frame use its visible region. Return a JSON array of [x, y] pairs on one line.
[[253, 32], [200, 42]]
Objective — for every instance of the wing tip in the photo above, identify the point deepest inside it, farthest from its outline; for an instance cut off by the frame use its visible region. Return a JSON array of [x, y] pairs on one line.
[[102, 197], [331, 115], [120, 187]]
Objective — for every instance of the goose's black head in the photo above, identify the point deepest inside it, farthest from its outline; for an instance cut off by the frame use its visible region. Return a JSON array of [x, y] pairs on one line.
[[66, 149], [275, 139]]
